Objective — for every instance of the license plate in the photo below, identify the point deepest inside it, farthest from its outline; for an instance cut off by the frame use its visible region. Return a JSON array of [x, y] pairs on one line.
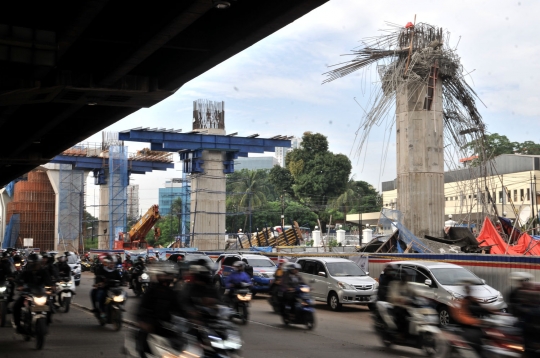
[[40, 308]]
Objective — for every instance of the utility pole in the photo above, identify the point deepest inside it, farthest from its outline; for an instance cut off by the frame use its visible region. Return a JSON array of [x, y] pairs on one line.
[[282, 211], [360, 223]]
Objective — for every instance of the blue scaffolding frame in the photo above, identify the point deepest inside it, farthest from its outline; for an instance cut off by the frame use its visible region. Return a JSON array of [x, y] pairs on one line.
[[118, 182]]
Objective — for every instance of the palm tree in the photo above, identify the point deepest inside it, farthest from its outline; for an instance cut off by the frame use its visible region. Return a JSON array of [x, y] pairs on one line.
[[347, 198], [252, 188]]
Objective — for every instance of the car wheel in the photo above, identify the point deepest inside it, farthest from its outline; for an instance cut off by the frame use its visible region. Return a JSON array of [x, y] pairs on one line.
[[333, 302], [444, 316]]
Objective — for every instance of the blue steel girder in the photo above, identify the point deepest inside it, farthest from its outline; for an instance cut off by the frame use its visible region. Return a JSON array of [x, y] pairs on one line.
[[91, 163], [172, 142]]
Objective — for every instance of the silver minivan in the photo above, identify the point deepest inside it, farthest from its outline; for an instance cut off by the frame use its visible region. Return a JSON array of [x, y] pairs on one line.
[[442, 282], [338, 281]]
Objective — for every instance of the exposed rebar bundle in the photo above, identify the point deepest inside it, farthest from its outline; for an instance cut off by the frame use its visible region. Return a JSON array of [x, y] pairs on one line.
[[406, 57]]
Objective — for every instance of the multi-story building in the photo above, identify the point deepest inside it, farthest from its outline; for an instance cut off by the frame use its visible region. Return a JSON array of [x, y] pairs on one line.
[[173, 190], [255, 163], [281, 152], [506, 187]]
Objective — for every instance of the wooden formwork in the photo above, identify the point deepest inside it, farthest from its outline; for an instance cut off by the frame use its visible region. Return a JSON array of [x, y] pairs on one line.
[[266, 237]]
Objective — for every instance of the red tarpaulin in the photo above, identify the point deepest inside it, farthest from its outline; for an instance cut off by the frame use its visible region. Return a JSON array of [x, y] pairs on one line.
[[489, 236], [527, 244]]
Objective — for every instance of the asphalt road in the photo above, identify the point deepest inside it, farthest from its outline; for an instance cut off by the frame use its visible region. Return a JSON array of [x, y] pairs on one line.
[[336, 334]]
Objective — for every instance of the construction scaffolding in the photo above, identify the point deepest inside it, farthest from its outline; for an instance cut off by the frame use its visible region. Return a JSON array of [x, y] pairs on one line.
[[31, 214], [70, 210], [118, 182]]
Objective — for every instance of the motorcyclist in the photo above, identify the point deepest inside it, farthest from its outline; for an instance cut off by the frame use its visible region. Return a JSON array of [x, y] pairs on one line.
[[466, 313], [386, 277], [105, 277], [7, 273], [290, 282], [236, 278], [127, 266], [48, 264], [524, 303], [62, 267], [34, 275], [158, 304], [138, 268], [400, 295], [279, 271], [199, 291], [521, 280]]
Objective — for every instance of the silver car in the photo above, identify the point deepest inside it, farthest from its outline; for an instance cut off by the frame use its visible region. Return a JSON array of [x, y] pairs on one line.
[[443, 283], [338, 281]]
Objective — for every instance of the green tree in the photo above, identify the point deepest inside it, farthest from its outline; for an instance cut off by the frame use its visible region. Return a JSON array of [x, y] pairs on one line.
[[528, 147], [317, 173], [491, 146], [249, 190], [281, 179]]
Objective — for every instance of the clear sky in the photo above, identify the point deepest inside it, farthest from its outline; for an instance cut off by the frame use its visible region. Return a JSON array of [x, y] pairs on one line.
[[274, 87]]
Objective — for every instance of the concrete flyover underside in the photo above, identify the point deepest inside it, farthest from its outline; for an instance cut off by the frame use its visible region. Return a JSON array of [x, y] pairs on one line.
[[71, 68]]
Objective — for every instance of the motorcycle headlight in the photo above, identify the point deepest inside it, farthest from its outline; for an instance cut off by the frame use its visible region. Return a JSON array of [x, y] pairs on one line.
[[216, 342], [40, 301], [244, 298], [145, 276], [344, 286], [66, 284], [305, 289], [118, 298], [2, 289]]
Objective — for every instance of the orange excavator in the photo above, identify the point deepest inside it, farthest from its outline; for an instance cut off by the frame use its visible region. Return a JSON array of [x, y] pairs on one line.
[[135, 238]]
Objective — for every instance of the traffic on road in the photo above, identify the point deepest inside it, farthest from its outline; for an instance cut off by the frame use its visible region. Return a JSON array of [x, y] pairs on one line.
[[244, 305]]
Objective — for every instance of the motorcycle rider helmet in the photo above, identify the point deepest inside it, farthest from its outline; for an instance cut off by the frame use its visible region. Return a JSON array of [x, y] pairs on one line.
[[521, 276], [62, 259], [33, 262], [162, 272], [293, 268], [201, 271], [109, 263], [239, 265]]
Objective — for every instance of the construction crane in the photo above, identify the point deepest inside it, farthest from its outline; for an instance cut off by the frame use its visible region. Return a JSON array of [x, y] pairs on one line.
[[135, 238]]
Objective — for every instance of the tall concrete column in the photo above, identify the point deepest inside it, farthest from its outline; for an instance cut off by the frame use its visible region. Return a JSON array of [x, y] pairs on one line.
[[420, 161], [208, 203], [103, 217]]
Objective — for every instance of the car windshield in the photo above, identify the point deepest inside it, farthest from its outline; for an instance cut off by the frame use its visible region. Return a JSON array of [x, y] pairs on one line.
[[455, 276], [340, 269], [260, 263]]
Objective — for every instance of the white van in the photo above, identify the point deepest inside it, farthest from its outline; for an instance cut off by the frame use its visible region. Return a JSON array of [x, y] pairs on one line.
[[338, 281]]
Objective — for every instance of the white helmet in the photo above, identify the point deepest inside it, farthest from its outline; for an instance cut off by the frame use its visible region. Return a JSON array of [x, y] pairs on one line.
[[521, 276]]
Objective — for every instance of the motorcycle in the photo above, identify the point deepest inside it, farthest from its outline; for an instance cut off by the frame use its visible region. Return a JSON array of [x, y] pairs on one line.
[[240, 302], [182, 338], [303, 311], [86, 266], [5, 293], [423, 332], [114, 306], [501, 339], [65, 290], [275, 298], [34, 316], [140, 280]]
